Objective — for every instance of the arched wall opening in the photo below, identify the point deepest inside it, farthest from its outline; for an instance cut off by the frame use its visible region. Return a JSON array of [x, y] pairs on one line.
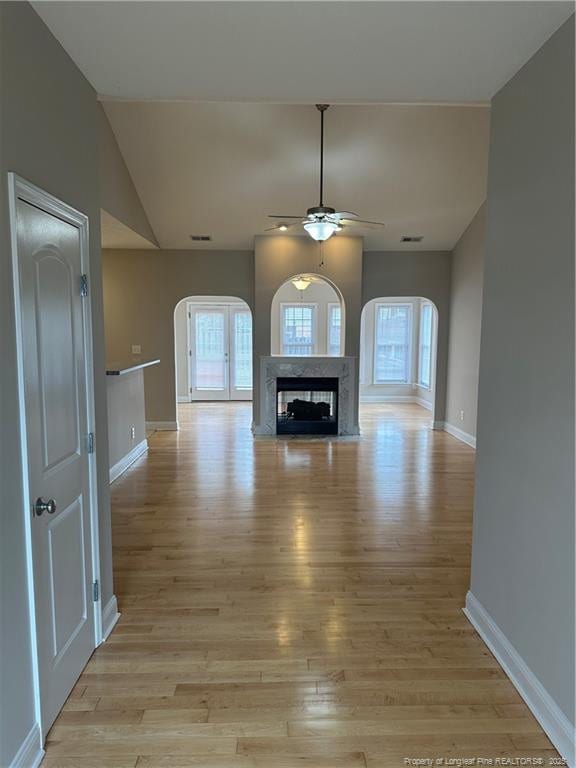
[[212, 349], [399, 351], [307, 318]]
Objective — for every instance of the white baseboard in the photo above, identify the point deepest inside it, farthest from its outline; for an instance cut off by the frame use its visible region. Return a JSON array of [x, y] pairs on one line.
[[110, 616], [161, 426], [122, 465], [553, 721], [373, 397], [183, 398], [31, 752], [459, 434]]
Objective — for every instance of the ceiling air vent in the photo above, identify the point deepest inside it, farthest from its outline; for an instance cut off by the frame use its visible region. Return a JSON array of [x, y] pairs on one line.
[[411, 238], [201, 238]]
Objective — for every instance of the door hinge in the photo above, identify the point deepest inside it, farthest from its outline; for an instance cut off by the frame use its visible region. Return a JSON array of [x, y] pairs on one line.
[[83, 285], [189, 315], [191, 390], [96, 591], [91, 442], [189, 353]]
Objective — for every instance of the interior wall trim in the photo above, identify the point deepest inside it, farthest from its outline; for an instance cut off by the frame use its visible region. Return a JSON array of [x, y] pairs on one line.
[[31, 752], [459, 434], [110, 616], [161, 426], [554, 722], [126, 461], [373, 397]]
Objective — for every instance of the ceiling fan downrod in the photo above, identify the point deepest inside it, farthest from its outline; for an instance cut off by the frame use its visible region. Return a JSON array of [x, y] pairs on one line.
[[322, 108]]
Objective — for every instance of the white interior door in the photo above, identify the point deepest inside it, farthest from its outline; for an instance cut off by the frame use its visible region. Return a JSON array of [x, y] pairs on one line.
[[220, 339], [209, 339], [55, 385]]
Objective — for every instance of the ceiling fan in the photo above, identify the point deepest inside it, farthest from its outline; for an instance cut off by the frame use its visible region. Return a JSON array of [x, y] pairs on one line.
[[321, 221]]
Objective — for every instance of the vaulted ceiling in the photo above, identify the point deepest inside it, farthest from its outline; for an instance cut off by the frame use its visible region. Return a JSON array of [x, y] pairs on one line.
[[211, 104], [219, 169]]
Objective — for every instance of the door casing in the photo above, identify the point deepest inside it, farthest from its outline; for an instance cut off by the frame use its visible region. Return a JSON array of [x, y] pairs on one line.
[[21, 189]]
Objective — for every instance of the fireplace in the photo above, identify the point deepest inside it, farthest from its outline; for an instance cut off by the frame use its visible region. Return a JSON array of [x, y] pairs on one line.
[[306, 405], [298, 370]]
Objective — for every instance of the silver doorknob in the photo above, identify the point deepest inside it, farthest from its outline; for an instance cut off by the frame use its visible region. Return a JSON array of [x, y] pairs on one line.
[[44, 506]]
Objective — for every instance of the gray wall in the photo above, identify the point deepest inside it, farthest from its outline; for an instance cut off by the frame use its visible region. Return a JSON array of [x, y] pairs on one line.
[[141, 290], [465, 323], [415, 273], [277, 259], [523, 541], [125, 410], [118, 195], [48, 118]]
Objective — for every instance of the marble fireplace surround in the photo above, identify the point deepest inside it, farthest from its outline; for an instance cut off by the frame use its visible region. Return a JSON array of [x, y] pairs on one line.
[[342, 368]]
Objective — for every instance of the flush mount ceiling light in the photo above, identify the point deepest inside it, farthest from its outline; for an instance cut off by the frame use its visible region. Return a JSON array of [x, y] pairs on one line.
[[321, 221], [301, 283]]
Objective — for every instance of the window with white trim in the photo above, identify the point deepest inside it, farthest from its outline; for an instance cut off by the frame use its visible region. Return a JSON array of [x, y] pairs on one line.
[[425, 346], [393, 328], [298, 329], [334, 330]]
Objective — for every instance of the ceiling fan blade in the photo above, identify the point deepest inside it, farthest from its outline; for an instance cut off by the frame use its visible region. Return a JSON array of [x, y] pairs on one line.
[[365, 222], [277, 216], [345, 215], [276, 227]]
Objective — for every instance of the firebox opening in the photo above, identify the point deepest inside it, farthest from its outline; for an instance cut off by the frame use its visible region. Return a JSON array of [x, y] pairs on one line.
[[307, 406]]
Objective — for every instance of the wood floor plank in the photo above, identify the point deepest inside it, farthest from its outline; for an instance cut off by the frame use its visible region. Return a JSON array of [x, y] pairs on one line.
[[293, 604], [347, 760]]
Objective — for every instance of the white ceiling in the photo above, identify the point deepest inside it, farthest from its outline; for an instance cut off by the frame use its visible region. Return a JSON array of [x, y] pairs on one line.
[[219, 169], [302, 52]]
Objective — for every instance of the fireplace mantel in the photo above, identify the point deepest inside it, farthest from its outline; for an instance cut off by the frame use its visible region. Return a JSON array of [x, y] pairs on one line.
[[342, 368]]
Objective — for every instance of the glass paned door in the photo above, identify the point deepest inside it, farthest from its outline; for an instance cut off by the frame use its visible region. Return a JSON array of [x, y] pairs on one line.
[[210, 354], [240, 354], [220, 353]]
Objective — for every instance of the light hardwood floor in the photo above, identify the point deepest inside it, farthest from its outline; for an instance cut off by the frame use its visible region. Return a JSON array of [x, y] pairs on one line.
[[293, 603]]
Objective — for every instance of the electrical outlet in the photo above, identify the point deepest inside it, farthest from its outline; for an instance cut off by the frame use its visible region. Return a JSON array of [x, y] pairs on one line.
[[136, 349], [461, 415], [133, 432]]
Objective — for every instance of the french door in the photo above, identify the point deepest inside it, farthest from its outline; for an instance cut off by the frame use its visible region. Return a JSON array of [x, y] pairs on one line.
[[220, 346]]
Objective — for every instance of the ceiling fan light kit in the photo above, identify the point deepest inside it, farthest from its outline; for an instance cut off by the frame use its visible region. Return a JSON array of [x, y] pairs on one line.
[[321, 221], [321, 229]]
